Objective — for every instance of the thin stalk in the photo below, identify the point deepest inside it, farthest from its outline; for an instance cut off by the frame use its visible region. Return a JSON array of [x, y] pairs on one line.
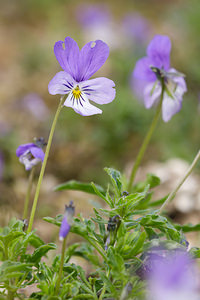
[[28, 193], [61, 266], [173, 193], [145, 142], [37, 192]]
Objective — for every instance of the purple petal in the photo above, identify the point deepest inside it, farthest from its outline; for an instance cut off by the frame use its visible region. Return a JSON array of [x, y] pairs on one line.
[[68, 58], [81, 105], [62, 83], [100, 90], [64, 228], [23, 148], [92, 56], [37, 153], [142, 70], [152, 93], [173, 277], [159, 51]]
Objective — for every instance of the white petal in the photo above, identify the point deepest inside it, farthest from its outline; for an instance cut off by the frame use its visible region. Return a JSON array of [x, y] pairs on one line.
[[170, 107], [82, 106], [152, 93]]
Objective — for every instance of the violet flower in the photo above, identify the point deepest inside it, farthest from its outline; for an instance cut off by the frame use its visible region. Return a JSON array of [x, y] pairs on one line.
[[79, 66], [67, 221], [152, 70], [30, 154], [172, 277]]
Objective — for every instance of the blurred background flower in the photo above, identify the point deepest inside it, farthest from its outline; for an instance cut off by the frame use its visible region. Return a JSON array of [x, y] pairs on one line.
[[173, 276]]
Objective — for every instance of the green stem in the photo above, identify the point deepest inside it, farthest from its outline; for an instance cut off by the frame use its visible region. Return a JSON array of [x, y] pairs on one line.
[[10, 295], [104, 286], [97, 248], [145, 142], [61, 266], [28, 193], [173, 193], [37, 192]]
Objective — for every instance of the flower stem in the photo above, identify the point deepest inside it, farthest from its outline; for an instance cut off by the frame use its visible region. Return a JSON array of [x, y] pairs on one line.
[[10, 295], [28, 193], [173, 193], [37, 192], [145, 142], [61, 266]]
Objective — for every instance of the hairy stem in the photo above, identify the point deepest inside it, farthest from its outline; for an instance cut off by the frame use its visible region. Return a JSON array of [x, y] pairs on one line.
[[37, 192], [145, 142], [61, 266], [173, 193], [28, 193]]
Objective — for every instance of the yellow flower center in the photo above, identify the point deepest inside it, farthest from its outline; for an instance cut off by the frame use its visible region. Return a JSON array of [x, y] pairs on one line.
[[76, 92]]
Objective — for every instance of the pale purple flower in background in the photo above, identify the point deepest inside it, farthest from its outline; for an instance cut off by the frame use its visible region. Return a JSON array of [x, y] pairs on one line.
[[136, 28], [97, 23], [151, 70], [30, 155], [67, 221], [5, 128], [79, 66], [1, 165], [35, 105], [172, 277], [90, 15]]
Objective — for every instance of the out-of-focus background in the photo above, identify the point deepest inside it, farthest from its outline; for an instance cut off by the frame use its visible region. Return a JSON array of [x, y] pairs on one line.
[[83, 146]]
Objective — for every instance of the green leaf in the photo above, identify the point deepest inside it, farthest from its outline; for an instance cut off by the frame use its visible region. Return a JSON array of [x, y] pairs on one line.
[[42, 251], [188, 227], [138, 245], [195, 252], [115, 260], [80, 186], [56, 221], [152, 180], [115, 178]]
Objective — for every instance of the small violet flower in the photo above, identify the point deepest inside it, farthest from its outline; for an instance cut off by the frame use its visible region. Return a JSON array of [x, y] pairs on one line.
[[67, 221], [173, 277], [154, 70], [79, 66], [31, 154]]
